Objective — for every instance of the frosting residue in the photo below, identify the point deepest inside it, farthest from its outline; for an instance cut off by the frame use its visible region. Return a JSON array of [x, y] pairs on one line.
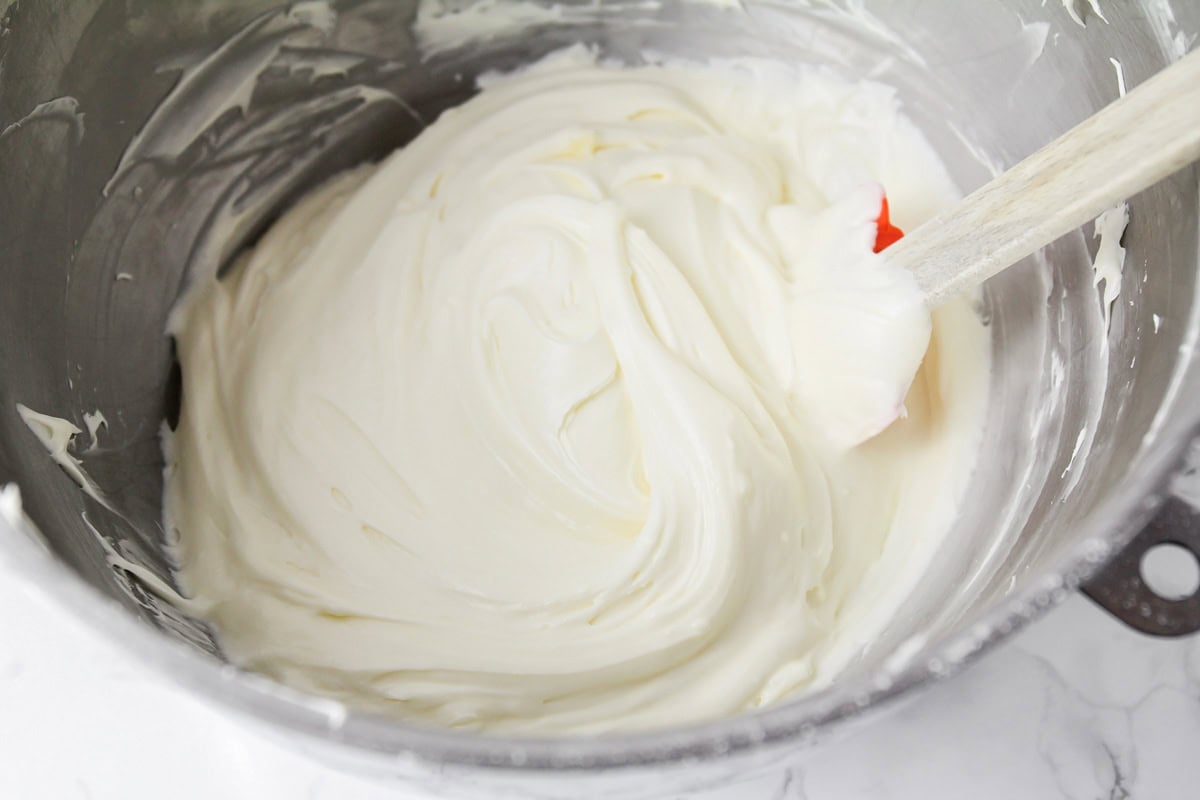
[[1072, 7], [1109, 262], [56, 435]]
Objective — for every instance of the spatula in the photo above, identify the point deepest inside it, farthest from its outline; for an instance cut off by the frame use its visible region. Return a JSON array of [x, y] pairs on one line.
[[1128, 146]]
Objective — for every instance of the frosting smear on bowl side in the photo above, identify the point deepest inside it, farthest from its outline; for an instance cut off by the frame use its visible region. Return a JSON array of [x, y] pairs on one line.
[[567, 416]]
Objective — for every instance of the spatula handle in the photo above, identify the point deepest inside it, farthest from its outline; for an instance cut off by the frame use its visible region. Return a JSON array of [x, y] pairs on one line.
[[1131, 144]]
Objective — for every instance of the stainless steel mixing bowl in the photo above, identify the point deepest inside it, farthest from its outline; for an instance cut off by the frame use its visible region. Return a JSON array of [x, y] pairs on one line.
[[144, 142]]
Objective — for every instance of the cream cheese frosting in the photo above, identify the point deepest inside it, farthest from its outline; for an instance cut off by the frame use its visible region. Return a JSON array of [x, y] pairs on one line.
[[564, 416]]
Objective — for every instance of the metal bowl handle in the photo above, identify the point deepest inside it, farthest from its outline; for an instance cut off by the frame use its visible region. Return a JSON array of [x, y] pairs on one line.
[[1120, 589]]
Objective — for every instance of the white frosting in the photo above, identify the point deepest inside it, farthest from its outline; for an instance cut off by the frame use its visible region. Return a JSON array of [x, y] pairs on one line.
[[56, 435], [1109, 263], [93, 421], [1072, 7], [62, 109], [10, 504], [550, 422], [1120, 71]]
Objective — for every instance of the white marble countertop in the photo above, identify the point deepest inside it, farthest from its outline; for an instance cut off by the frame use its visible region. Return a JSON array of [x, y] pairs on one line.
[[1076, 706]]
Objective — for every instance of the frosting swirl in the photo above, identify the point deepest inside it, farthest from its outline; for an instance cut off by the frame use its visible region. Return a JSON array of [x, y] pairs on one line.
[[555, 419]]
